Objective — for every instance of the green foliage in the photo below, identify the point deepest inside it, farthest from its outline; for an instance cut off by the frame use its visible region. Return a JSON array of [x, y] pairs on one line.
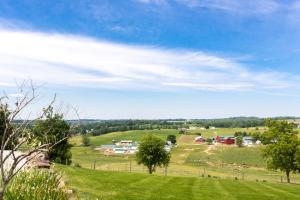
[[209, 141], [35, 185], [109, 126], [255, 136], [172, 139], [182, 131], [240, 133], [152, 153], [239, 141], [53, 130], [282, 147], [85, 140], [4, 114]]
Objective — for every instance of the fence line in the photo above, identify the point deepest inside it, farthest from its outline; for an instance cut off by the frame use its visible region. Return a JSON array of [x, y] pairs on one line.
[[202, 172]]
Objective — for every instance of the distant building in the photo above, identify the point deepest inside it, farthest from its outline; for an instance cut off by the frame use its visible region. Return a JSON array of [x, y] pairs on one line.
[[247, 141], [124, 143], [121, 147], [225, 140], [199, 139]]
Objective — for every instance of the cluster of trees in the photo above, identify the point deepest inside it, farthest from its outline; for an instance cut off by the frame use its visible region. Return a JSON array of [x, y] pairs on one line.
[[48, 133], [94, 127], [234, 122], [108, 126]]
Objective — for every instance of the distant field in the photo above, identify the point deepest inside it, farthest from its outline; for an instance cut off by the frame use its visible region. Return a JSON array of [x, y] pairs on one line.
[[127, 135], [92, 184], [136, 135], [224, 131]]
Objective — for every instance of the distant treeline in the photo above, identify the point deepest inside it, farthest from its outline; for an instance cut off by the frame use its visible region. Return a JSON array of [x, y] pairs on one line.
[[99, 127], [108, 126]]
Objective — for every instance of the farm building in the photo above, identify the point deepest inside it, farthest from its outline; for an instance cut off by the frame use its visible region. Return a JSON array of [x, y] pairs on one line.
[[121, 147], [247, 141], [225, 140], [124, 143], [199, 139]]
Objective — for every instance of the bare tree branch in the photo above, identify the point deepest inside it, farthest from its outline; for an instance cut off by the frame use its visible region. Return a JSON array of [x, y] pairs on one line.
[[16, 135]]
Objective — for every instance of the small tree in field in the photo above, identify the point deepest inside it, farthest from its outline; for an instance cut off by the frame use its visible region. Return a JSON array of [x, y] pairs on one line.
[[152, 153], [282, 147], [85, 140], [209, 141], [172, 139], [239, 141]]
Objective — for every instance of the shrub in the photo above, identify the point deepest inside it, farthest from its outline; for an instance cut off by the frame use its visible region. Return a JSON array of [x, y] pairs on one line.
[[209, 141], [85, 140], [77, 165], [35, 185], [172, 139], [239, 141]]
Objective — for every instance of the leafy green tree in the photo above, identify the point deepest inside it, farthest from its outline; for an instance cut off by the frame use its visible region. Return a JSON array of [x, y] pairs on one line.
[[209, 141], [152, 153], [239, 141], [51, 130], [172, 139], [255, 136], [85, 140], [282, 147]]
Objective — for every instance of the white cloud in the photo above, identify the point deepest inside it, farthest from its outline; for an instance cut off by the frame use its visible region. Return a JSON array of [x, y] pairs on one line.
[[70, 60], [237, 6]]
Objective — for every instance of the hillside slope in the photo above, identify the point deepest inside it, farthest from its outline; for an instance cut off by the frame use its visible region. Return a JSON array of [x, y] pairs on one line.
[[116, 185]]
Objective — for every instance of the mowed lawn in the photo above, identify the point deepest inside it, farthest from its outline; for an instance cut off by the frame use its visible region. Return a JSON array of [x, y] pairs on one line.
[[93, 184]]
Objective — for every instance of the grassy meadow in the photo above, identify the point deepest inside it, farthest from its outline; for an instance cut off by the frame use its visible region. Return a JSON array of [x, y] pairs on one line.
[[187, 159], [96, 184]]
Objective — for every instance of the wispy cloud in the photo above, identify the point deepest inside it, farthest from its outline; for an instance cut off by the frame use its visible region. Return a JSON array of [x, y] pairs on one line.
[[70, 60], [256, 7], [238, 6]]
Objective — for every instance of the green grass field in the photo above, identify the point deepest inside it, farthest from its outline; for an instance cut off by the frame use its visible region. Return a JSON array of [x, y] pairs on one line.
[[94, 184], [187, 159], [128, 135]]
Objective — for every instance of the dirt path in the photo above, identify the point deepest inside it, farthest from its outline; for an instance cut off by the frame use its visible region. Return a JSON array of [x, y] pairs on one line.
[[209, 149]]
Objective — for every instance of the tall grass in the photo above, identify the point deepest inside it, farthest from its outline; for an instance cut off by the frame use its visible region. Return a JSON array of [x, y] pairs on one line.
[[35, 185]]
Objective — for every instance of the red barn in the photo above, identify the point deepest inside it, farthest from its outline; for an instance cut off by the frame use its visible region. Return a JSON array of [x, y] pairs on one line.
[[229, 140], [225, 140]]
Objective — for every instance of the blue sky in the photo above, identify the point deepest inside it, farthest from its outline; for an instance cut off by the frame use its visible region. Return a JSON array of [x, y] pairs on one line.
[[156, 58]]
